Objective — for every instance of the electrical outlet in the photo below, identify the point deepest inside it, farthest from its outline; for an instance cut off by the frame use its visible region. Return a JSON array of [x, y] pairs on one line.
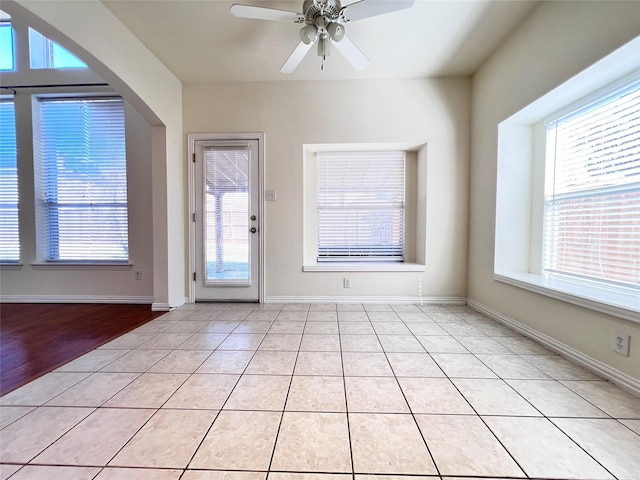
[[346, 282], [621, 343], [138, 274]]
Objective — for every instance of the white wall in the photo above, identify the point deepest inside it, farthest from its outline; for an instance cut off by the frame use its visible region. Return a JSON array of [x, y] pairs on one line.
[[292, 114], [136, 74], [556, 42], [86, 283]]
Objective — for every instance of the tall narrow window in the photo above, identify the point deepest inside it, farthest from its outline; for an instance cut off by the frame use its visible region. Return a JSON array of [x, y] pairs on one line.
[[361, 206], [81, 180], [6, 42], [9, 234], [592, 192]]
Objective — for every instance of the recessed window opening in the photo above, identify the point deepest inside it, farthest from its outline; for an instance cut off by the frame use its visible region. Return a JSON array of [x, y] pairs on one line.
[[361, 206], [81, 179], [592, 192]]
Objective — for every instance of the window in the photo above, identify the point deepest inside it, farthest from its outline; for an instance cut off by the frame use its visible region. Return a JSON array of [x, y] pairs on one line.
[[568, 187], [6, 42], [592, 191], [81, 184], [361, 206], [9, 234], [45, 53]]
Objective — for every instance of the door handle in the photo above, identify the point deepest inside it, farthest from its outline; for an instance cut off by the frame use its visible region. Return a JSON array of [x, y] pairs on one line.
[[253, 230], [253, 218]]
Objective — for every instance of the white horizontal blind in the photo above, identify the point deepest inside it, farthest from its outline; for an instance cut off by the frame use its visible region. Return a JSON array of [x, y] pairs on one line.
[[592, 192], [361, 206], [9, 233], [81, 179]]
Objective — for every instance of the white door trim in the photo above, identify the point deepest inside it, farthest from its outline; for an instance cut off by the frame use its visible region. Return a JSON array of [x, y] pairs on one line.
[[192, 138]]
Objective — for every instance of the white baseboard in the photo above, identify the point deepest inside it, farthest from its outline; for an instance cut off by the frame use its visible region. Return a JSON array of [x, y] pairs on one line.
[[619, 378], [160, 307], [365, 299], [74, 299]]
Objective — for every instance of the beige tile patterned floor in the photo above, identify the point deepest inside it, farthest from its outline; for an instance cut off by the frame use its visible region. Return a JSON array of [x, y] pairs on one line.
[[320, 392]]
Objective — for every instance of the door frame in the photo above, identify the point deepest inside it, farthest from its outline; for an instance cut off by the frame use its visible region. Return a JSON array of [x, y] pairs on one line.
[[192, 138]]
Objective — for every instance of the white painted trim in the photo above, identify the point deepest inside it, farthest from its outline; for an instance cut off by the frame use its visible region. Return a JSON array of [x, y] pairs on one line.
[[74, 299], [10, 266], [365, 299], [619, 378], [617, 304], [165, 307], [81, 266], [363, 267], [160, 307], [192, 138]]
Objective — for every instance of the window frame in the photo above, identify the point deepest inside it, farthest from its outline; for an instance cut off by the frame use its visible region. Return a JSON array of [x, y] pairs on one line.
[[6, 23], [43, 50], [325, 204], [602, 97], [415, 204], [520, 187], [16, 260], [45, 257]]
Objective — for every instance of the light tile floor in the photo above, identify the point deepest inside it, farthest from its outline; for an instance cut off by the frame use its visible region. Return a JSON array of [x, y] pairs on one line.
[[320, 392]]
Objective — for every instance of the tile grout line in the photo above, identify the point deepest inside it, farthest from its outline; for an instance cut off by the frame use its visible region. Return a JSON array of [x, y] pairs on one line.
[[549, 419], [415, 421], [227, 398], [158, 410], [346, 400], [189, 375], [476, 414], [284, 406]]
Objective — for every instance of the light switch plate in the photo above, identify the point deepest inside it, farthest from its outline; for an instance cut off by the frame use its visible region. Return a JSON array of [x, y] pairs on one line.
[[270, 195]]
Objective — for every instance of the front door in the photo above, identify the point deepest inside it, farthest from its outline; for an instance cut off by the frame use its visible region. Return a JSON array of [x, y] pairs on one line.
[[226, 218]]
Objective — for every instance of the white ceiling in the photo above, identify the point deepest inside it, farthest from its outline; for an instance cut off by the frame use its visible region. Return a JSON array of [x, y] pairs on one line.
[[201, 42]]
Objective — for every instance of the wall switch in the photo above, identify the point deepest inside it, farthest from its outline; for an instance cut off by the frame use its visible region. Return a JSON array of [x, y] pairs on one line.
[[346, 282], [270, 195], [621, 343], [138, 274]]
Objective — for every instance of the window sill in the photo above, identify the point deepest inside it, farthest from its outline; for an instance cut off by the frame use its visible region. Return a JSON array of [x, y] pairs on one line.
[[10, 265], [81, 266], [363, 267], [618, 304]]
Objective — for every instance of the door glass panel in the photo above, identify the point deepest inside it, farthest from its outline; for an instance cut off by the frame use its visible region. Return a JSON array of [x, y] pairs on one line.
[[226, 207]]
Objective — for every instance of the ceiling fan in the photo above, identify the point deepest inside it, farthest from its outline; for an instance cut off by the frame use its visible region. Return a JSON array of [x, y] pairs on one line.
[[324, 23]]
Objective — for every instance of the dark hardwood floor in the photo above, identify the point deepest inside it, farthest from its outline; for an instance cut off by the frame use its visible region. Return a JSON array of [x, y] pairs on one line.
[[38, 338]]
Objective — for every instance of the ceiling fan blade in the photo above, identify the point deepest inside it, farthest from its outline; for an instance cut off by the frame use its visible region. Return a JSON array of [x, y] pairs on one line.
[[262, 13], [296, 57], [371, 8], [352, 53]]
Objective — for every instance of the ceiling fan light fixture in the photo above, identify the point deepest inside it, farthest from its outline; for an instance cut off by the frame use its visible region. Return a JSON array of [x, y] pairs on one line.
[[325, 24], [335, 31], [308, 34]]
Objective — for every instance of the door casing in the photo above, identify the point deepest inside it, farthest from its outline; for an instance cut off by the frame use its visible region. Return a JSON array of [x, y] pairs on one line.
[[192, 138]]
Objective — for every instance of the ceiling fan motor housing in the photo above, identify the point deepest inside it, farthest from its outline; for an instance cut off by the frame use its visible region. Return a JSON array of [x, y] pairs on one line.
[[326, 8]]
